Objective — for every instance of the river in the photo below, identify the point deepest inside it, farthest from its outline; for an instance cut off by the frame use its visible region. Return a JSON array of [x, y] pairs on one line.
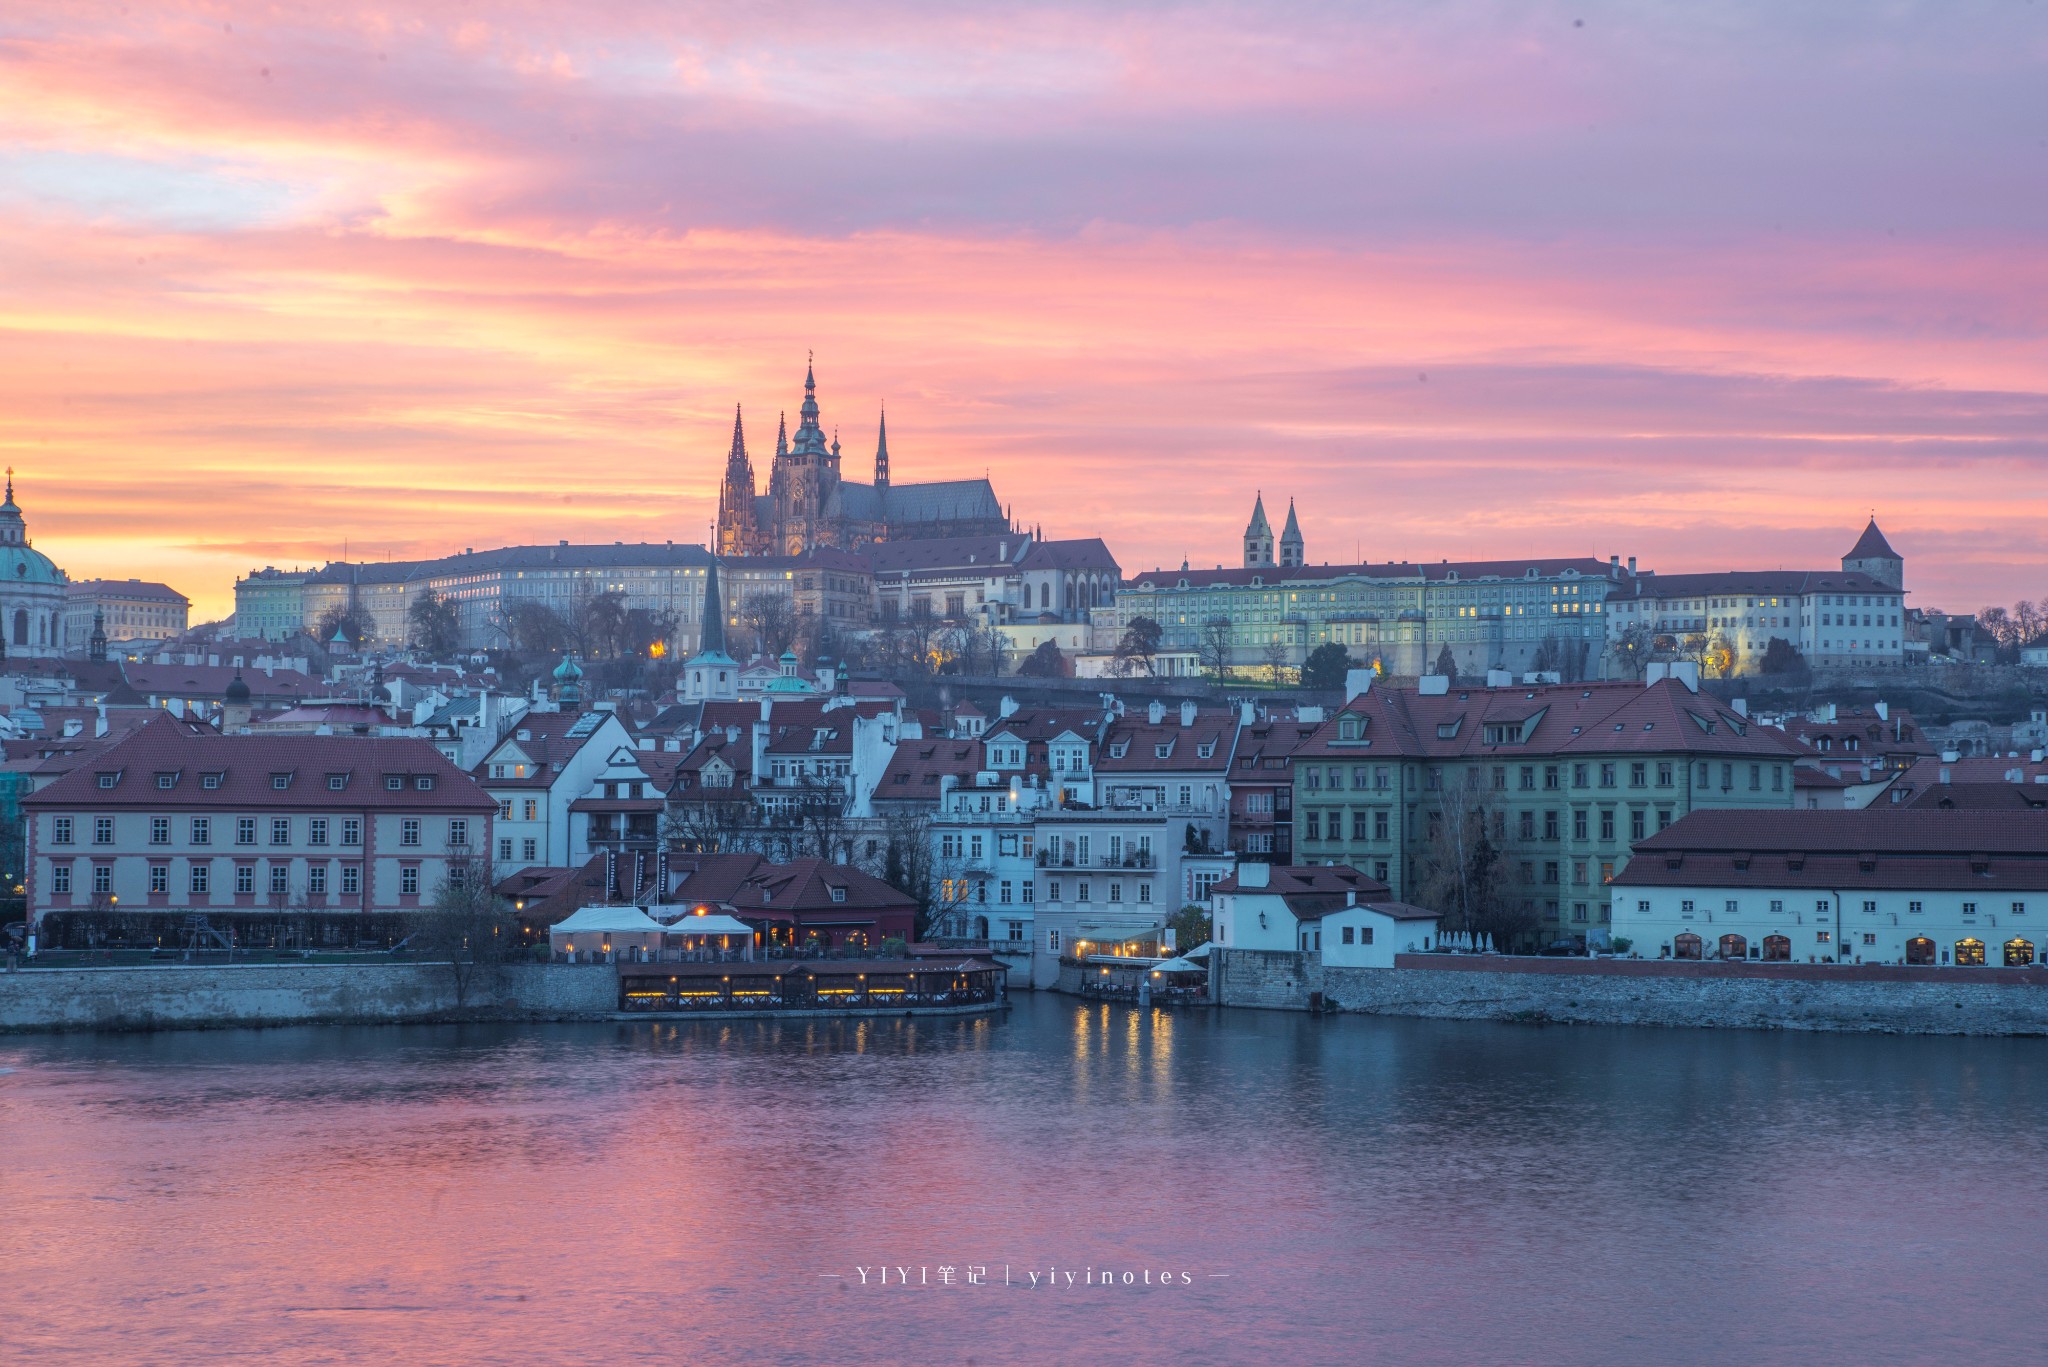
[[1310, 1191]]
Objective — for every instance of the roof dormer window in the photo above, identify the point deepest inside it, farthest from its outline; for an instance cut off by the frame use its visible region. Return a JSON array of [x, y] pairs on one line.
[[109, 780], [394, 782], [281, 781], [210, 781], [424, 782], [169, 780], [337, 782]]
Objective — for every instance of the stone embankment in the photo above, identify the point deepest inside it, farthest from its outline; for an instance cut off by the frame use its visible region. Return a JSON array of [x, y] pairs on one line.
[[197, 997], [1752, 996]]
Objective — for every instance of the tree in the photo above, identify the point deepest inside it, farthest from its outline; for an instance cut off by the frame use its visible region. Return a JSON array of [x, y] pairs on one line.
[[354, 626], [433, 625], [531, 625], [1190, 926], [1694, 648], [1634, 647], [597, 623], [1722, 656], [468, 927], [1326, 666], [771, 620], [1782, 657], [1274, 656], [913, 640], [1139, 644], [1466, 876], [1212, 648], [1046, 662], [1447, 662]]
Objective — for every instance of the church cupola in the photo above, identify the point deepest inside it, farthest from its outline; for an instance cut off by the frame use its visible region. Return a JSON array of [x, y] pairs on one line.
[[1292, 551], [13, 526]]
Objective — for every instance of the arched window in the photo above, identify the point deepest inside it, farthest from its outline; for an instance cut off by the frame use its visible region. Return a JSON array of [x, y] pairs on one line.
[[1778, 949], [1969, 952], [1685, 945], [21, 626], [1919, 950], [1045, 595], [2018, 953], [981, 927], [1734, 947]]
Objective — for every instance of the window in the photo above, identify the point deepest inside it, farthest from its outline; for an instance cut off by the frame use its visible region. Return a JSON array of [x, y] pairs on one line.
[[166, 780], [209, 780], [1638, 774], [102, 879], [201, 879], [1550, 824], [245, 878], [1379, 824], [505, 848], [337, 782], [1029, 890], [1144, 892], [351, 830], [1579, 825], [280, 879], [1664, 773], [394, 782], [1314, 828], [245, 830], [351, 880], [409, 831], [316, 831], [528, 849], [1365, 935], [280, 781], [1528, 825], [1868, 938], [159, 878], [1823, 937], [60, 830], [109, 780], [1777, 906], [316, 880], [60, 879], [159, 830], [281, 830], [458, 831], [202, 830], [1528, 777], [1607, 776], [1349, 935], [1550, 777], [1578, 776], [103, 830], [409, 880], [2019, 908], [1969, 908], [424, 783], [1052, 937], [1116, 891], [1379, 869], [1756, 778], [1052, 891], [532, 808]]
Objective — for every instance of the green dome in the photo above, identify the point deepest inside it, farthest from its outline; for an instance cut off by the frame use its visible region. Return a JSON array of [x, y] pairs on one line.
[[568, 669], [26, 565]]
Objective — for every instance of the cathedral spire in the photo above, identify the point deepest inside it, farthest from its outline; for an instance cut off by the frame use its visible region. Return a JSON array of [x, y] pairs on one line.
[[882, 453], [781, 434]]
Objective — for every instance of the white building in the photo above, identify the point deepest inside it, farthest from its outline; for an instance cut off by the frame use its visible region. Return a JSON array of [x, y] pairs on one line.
[[544, 765], [1332, 912], [1887, 886], [33, 591]]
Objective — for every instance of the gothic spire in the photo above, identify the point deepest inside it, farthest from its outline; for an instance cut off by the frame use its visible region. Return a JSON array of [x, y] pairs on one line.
[[781, 434], [882, 453], [713, 636]]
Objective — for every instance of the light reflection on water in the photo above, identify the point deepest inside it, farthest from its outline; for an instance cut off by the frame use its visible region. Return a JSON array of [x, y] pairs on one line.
[[1373, 1189]]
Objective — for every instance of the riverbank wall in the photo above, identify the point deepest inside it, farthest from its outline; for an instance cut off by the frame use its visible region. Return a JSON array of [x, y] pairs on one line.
[[1886, 999], [166, 997]]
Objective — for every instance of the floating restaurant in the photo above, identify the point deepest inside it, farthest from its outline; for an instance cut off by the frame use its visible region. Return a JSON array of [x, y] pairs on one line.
[[811, 985]]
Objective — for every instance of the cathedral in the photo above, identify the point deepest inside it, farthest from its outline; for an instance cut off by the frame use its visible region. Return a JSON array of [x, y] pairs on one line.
[[807, 505]]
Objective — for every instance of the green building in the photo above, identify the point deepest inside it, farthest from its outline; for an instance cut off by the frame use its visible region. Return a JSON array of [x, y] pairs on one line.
[[1563, 779]]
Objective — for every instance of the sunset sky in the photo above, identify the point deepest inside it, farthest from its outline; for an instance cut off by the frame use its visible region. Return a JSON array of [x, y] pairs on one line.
[[1703, 284]]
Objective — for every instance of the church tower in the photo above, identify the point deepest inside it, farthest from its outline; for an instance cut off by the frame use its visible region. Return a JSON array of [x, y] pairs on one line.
[[1874, 556], [737, 532], [1258, 536], [807, 471], [1292, 552], [882, 453]]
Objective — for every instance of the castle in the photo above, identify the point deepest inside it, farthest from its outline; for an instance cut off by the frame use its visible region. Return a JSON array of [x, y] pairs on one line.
[[808, 506]]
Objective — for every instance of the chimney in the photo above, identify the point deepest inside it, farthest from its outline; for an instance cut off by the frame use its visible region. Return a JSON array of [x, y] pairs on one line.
[[1883, 710], [1187, 712], [1741, 706], [1156, 713], [1254, 875], [760, 745], [1008, 707], [1631, 564], [100, 725], [1357, 682]]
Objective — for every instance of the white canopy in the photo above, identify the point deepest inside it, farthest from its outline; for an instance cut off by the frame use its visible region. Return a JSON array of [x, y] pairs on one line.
[[1200, 951], [1181, 965], [708, 924], [606, 921]]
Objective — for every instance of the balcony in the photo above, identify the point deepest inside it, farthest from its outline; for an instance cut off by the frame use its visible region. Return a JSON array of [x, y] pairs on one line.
[[1134, 860]]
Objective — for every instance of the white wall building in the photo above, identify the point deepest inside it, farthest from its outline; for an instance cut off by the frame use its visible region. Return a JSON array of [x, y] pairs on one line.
[[1931, 886]]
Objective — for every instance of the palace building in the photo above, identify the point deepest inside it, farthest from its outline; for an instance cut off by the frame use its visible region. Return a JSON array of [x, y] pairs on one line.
[[808, 506]]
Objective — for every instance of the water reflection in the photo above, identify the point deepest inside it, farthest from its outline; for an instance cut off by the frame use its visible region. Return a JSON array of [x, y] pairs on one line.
[[1416, 1191]]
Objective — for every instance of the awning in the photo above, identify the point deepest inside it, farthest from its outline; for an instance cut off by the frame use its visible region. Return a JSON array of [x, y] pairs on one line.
[[606, 921], [708, 924]]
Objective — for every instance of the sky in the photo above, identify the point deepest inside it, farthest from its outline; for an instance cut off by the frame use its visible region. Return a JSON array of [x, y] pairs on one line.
[[1706, 285]]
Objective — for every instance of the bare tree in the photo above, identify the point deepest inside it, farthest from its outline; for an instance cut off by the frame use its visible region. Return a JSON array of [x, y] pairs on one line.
[[1212, 648], [770, 619], [529, 624], [1634, 647], [1274, 655], [1137, 647], [597, 623], [1465, 873], [468, 927]]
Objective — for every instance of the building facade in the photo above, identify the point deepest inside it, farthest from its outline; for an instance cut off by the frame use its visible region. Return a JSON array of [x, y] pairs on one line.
[[1922, 886], [181, 836], [270, 604], [126, 609], [34, 593], [1564, 779]]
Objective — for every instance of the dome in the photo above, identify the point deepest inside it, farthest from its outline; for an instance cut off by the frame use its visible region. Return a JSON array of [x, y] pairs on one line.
[[568, 669], [236, 691], [26, 565]]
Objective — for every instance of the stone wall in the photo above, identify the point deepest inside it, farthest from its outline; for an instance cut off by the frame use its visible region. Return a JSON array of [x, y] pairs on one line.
[[1622, 992], [185, 997]]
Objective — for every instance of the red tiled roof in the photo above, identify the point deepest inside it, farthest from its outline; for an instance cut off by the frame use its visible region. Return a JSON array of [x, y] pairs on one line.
[[1560, 719], [1907, 848], [247, 765]]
